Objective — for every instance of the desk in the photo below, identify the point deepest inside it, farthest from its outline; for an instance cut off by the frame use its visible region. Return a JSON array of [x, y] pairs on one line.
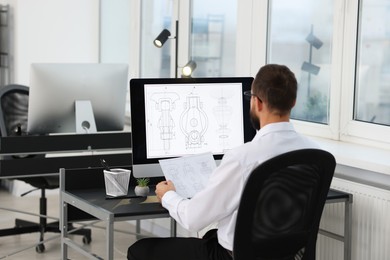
[[335, 196], [89, 197], [67, 151], [89, 147]]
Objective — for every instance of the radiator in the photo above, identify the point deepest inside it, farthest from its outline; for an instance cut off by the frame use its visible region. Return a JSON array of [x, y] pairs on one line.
[[370, 224]]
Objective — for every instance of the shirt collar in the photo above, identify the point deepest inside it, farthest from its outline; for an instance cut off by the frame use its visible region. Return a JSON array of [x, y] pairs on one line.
[[274, 127]]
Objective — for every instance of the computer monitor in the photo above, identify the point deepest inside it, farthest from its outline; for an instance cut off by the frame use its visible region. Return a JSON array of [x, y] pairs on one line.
[[184, 116], [77, 97]]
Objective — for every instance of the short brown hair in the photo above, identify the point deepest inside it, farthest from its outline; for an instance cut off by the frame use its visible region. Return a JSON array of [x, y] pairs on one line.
[[277, 86]]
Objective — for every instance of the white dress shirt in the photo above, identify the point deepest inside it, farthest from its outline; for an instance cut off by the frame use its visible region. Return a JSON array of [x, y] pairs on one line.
[[218, 201]]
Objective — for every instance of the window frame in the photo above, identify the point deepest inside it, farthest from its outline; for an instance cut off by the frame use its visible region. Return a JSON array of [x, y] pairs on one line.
[[251, 48], [353, 130], [342, 126]]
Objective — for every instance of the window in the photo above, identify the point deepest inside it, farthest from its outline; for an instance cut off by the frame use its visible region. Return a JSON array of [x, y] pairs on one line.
[[300, 36], [213, 37], [114, 31], [338, 50], [212, 34], [372, 90], [156, 15]]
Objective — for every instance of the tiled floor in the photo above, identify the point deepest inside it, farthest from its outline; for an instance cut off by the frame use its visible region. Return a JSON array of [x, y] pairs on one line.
[[30, 203]]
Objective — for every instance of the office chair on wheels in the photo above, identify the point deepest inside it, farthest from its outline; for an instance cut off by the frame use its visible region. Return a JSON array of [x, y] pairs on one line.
[[281, 206], [13, 122]]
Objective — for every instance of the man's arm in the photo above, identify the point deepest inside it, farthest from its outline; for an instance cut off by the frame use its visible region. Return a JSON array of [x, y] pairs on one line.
[[217, 200]]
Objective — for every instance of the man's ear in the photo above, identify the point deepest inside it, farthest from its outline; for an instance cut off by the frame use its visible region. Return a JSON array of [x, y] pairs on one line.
[[258, 105]]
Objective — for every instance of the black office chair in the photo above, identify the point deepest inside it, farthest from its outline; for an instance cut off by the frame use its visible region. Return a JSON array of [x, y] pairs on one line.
[[281, 207], [13, 122]]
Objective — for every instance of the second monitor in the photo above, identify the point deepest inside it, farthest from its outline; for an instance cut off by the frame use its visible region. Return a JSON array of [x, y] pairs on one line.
[[177, 117], [74, 97]]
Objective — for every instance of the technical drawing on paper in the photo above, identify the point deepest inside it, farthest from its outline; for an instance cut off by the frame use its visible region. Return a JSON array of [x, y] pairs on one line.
[[165, 103], [193, 122], [189, 174]]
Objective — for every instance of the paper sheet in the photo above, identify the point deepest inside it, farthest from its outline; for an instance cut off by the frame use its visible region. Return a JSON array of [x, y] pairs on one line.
[[189, 174]]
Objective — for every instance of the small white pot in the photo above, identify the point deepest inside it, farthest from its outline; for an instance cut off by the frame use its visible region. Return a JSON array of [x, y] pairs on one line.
[[141, 191]]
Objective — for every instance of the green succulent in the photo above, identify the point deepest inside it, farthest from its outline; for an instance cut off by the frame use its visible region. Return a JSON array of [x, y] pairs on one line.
[[143, 182]]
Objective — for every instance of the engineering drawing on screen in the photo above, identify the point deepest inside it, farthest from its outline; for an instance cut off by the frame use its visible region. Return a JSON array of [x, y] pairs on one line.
[[193, 122], [165, 104], [192, 118]]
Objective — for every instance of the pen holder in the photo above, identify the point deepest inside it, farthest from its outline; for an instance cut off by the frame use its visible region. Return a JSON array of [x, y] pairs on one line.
[[117, 182]]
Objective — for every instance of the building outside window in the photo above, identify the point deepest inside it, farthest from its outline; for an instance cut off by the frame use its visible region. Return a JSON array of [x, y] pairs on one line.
[[213, 37]]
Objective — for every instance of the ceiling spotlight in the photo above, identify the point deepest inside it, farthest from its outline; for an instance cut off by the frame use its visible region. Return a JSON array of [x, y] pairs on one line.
[[188, 69], [162, 38]]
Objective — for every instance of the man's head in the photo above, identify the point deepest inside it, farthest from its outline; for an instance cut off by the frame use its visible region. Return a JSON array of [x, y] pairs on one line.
[[274, 92]]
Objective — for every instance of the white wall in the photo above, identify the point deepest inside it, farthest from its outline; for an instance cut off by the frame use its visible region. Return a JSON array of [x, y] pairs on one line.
[[53, 31], [50, 31]]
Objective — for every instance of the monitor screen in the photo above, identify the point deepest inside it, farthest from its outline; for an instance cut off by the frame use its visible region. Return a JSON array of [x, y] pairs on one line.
[[77, 97], [178, 117]]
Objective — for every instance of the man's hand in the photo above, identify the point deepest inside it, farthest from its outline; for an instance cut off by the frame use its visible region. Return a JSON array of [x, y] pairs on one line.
[[163, 187]]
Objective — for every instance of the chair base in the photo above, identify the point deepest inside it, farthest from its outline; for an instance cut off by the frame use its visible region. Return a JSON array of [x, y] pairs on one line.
[[26, 227]]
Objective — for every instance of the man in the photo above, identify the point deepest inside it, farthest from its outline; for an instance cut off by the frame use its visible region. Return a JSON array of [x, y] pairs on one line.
[[272, 97]]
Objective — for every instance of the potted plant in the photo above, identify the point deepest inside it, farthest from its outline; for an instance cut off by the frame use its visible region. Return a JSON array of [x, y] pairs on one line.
[[142, 188]]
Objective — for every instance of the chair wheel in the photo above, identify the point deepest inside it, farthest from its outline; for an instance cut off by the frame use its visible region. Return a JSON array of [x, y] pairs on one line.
[[40, 248], [87, 240]]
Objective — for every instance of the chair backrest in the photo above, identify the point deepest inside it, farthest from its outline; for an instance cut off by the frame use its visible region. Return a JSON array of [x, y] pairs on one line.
[[13, 122], [13, 109], [281, 206]]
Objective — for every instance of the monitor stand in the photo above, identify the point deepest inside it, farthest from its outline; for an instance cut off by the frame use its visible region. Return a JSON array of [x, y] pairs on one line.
[[85, 120]]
